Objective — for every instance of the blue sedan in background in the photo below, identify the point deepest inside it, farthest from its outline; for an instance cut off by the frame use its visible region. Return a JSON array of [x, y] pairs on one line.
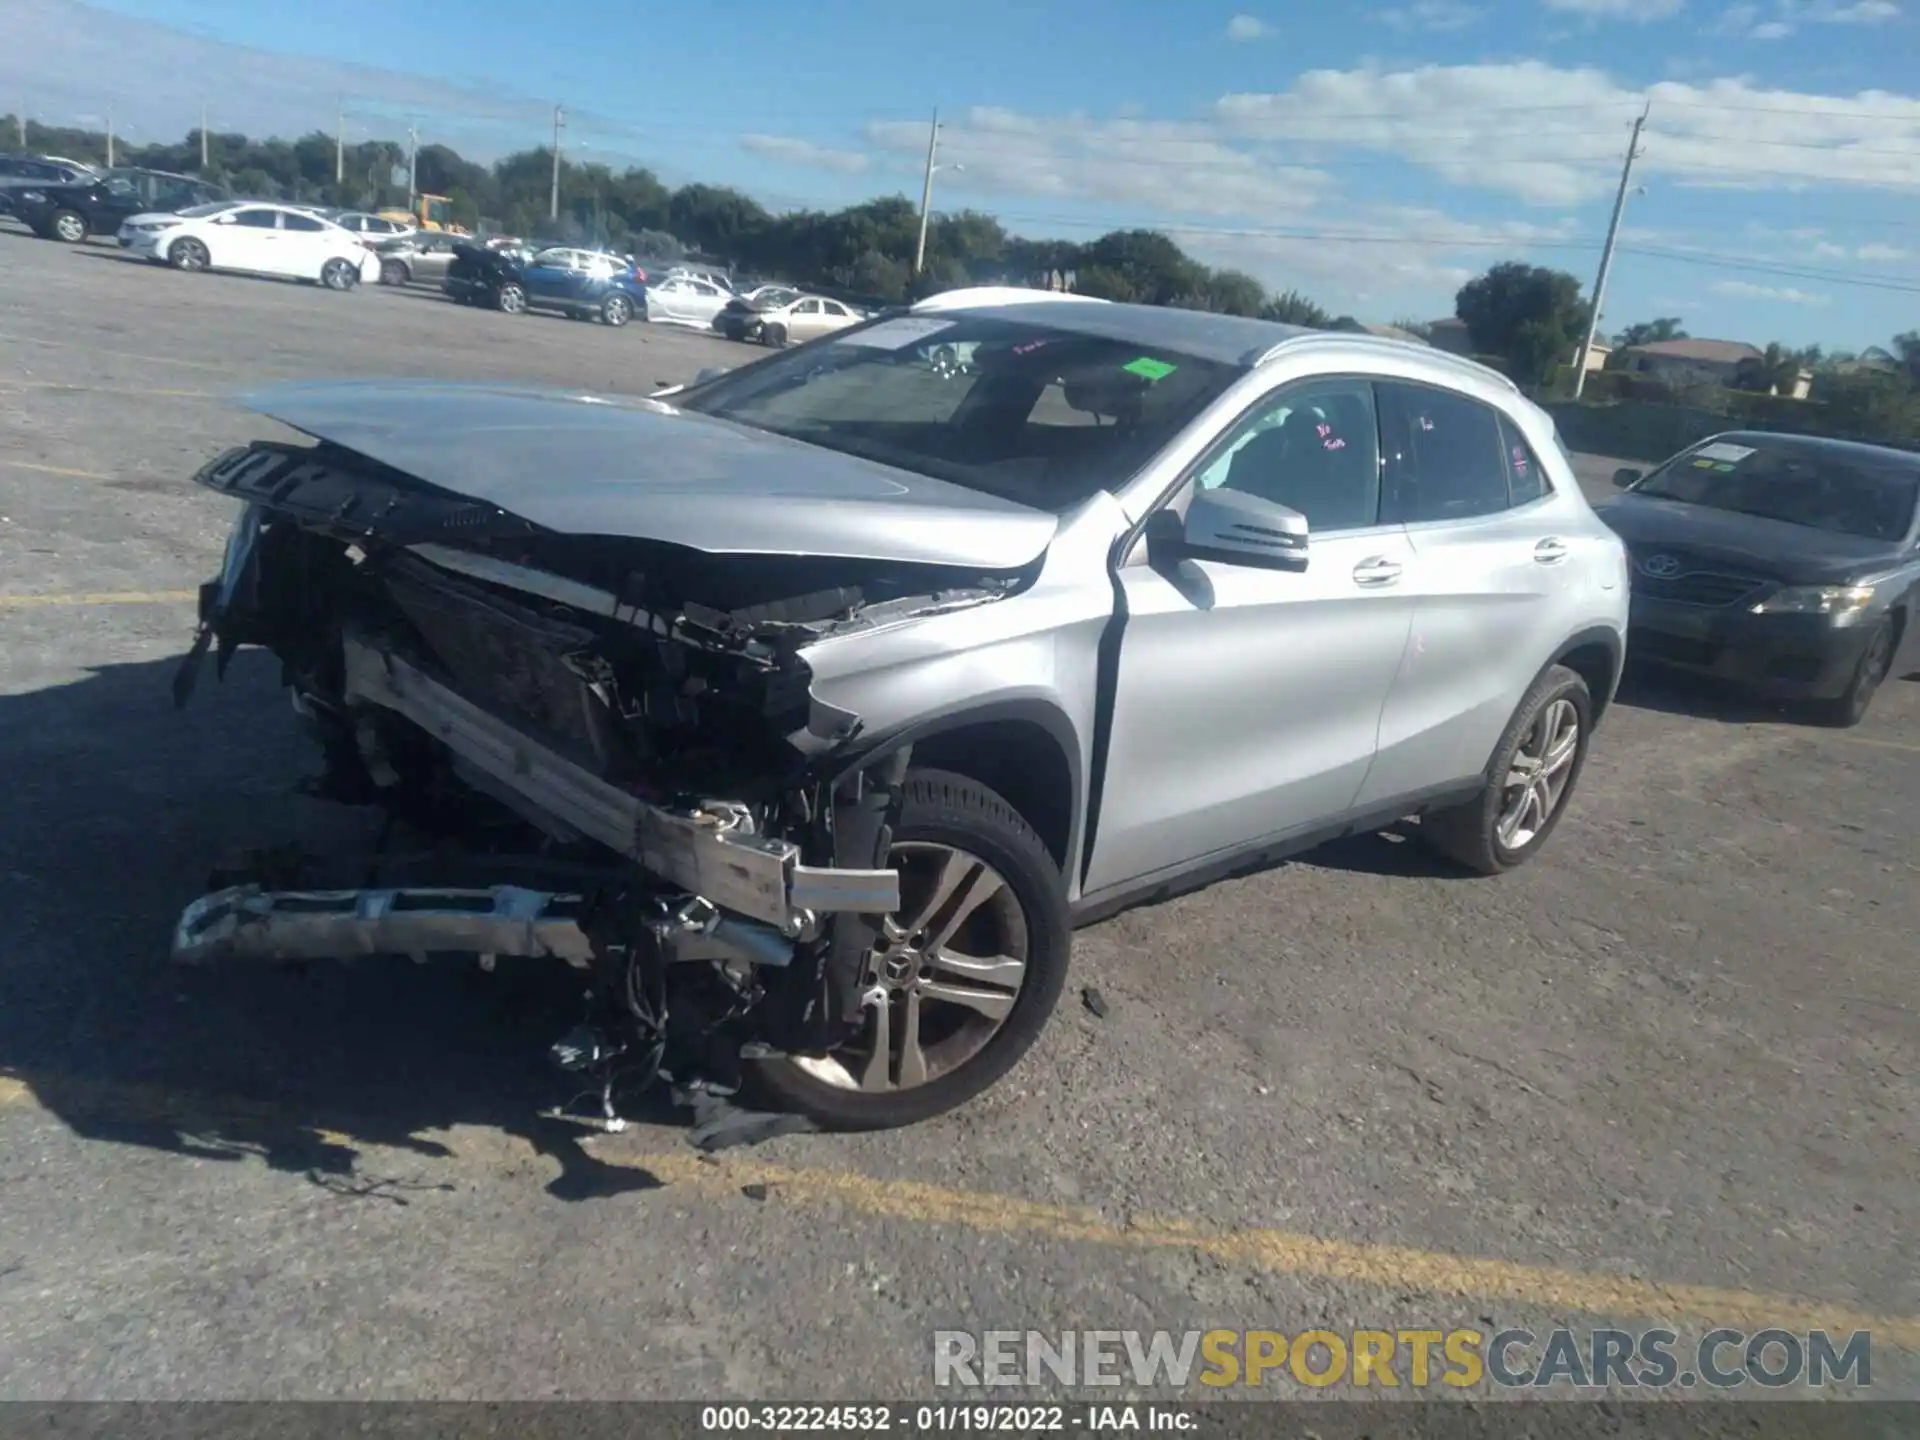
[[580, 283]]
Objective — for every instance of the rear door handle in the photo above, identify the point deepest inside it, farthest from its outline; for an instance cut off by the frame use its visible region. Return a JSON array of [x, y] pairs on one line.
[[1550, 551], [1376, 570]]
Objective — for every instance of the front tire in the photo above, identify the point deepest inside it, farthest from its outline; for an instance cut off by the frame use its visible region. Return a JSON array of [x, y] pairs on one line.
[[339, 275], [774, 335], [970, 968], [392, 272], [68, 226], [188, 254], [1535, 768], [511, 299], [1846, 711]]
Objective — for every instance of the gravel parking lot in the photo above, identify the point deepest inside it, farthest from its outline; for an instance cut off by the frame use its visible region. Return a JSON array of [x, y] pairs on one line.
[[1668, 1071]]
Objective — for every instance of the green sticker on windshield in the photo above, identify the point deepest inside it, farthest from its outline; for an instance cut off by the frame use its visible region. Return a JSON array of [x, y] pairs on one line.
[[1148, 369]]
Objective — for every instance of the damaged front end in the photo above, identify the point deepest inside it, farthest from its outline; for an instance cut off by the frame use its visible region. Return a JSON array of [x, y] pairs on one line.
[[634, 716]]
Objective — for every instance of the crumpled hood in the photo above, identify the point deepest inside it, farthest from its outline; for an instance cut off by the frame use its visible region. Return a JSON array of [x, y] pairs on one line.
[[620, 466]]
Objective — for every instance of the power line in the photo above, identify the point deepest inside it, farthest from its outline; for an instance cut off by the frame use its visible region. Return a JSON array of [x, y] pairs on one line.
[[1787, 272]]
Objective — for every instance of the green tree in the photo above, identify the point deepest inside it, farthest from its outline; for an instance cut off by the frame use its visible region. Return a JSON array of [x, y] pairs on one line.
[[1293, 308], [1528, 316], [1648, 332]]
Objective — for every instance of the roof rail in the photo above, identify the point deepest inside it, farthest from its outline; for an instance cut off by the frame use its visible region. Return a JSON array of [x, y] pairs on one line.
[[1385, 346]]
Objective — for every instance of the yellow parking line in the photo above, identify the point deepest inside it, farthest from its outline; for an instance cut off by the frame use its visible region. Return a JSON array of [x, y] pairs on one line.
[[1388, 1267], [100, 597], [54, 470], [1879, 744]]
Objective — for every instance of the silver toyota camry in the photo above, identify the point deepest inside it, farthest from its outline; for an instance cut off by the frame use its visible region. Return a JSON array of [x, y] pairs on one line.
[[812, 706]]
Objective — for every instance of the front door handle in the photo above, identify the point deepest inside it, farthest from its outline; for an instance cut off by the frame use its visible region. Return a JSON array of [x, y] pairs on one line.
[[1550, 551], [1376, 570]]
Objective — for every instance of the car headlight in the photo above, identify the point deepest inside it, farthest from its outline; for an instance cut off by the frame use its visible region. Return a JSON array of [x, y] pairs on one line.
[[1841, 602]]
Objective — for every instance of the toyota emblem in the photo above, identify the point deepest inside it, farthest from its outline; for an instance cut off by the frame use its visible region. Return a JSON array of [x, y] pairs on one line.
[[1661, 567]]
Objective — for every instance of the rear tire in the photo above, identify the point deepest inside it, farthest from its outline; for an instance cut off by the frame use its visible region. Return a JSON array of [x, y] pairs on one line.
[[1494, 832], [943, 812], [616, 310], [1876, 661]]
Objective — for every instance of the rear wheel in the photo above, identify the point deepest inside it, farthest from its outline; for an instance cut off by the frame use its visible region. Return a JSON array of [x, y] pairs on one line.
[[69, 226], [616, 310], [188, 254], [1876, 660], [339, 274], [1534, 771], [511, 298], [960, 981]]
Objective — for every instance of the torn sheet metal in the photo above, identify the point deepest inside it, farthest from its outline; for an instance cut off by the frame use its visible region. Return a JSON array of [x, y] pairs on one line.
[[246, 922]]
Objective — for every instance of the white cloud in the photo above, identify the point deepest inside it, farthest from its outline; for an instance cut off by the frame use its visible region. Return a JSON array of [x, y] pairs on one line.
[[1637, 11], [1247, 27], [1882, 253], [1743, 19], [1169, 167], [1785, 294], [805, 152], [1433, 15]]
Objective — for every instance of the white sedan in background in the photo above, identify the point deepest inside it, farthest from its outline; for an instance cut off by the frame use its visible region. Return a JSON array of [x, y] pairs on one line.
[[806, 317], [258, 239], [684, 300]]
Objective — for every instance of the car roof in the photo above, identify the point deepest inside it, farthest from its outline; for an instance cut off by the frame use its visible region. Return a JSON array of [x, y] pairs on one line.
[[1236, 340], [1820, 444]]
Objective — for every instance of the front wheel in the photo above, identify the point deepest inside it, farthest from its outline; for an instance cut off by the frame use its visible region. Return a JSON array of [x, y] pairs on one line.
[[69, 226], [1847, 710], [959, 983], [188, 254], [511, 299], [616, 310], [774, 335], [392, 272], [1534, 771], [339, 275]]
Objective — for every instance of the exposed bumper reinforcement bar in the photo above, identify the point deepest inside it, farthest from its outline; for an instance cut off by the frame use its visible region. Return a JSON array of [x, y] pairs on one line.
[[708, 850], [248, 923]]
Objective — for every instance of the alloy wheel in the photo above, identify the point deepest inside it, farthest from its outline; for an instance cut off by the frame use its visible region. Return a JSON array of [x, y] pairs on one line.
[[943, 975], [1537, 778], [69, 227], [512, 300], [188, 255]]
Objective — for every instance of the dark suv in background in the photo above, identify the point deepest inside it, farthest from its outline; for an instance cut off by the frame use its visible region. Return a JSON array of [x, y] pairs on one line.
[[98, 204], [24, 172]]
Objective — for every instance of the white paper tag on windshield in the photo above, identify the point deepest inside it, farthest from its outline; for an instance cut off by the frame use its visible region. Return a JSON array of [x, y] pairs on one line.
[[1720, 450], [898, 334]]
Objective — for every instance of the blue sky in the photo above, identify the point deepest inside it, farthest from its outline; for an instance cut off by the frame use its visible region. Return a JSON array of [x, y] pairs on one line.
[[1371, 154]]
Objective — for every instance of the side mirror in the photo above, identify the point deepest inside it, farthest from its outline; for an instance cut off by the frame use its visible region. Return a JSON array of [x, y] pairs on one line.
[[1234, 528], [1626, 476]]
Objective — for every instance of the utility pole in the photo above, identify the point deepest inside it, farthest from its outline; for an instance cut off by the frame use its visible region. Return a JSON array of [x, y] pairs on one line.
[[22, 118], [203, 137], [553, 201], [340, 143], [413, 164], [926, 195], [1606, 257], [110, 135]]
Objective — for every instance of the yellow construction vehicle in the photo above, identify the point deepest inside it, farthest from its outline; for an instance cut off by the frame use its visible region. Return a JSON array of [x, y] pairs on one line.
[[430, 212]]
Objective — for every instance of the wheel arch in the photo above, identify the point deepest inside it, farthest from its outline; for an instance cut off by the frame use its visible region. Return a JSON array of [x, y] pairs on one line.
[[1025, 750], [1596, 655]]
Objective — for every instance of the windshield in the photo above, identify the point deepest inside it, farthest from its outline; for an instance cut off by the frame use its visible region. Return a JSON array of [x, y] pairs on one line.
[[1041, 416], [1800, 484]]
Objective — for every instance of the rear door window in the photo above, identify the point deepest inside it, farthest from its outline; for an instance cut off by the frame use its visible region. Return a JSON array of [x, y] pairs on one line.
[[1445, 458], [1526, 480], [258, 219]]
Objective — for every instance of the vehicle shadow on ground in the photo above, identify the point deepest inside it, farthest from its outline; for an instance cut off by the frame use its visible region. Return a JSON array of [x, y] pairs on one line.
[[1395, 852], [116, 808]]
